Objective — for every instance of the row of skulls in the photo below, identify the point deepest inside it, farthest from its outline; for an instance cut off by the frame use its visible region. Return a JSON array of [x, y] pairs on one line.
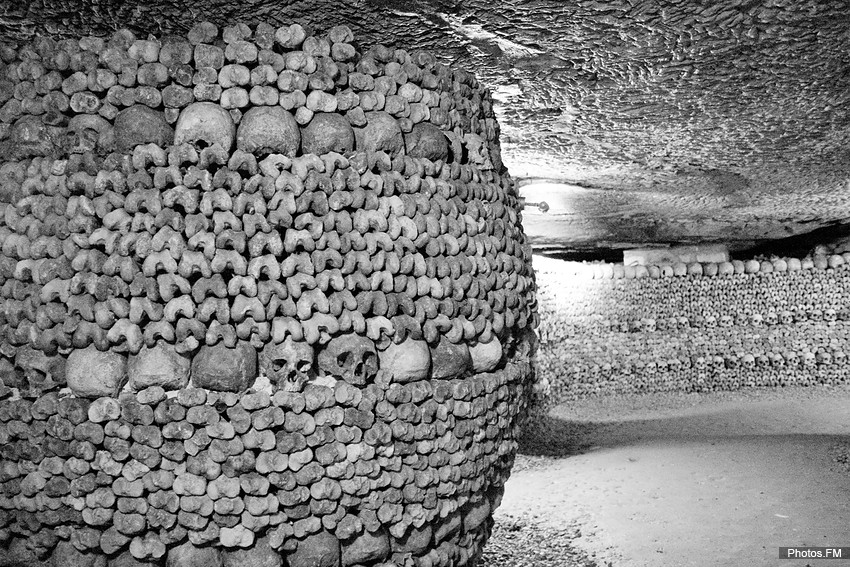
[[593, 306], [788, 358], [604, 270], [733, 331], [361, 467], [563, 383], [385, 223], [550, 330], [320, 90], [186, 214]]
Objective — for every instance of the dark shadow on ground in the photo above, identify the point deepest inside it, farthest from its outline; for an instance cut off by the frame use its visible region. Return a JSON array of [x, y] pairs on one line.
[[549, 436]]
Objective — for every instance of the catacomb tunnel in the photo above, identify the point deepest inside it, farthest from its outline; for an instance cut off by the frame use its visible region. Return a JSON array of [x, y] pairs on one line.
[[267, 294]]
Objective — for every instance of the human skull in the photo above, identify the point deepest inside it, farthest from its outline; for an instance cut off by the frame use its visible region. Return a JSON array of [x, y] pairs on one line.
[[786, 317], [726, 321], [288, 365], [683, 322], [29, 137], [772, 318], [748, 362], [650, 368], [158, 365], [205, 122], [800, 314], [763, 361], [649, 325], [674, 365], [425, 140], [809, 359], [663, 366], [718, 363], [39, 369], [731, 362], [823, 358], [268, 129], [838, 357], [816, 315], [332, 132], [351, 357], [10, 375], [525, 344], [381, 133], [710, 322], [140, 124], [607, 370], [700, 364], [830, 315], [477, 150], [756, 320], [88, 131], [791, 358]]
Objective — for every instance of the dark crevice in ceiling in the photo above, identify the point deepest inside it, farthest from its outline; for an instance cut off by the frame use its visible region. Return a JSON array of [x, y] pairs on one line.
[[826, 238]]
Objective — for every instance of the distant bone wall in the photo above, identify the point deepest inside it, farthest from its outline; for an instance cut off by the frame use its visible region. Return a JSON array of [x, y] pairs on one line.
[[613, 329]]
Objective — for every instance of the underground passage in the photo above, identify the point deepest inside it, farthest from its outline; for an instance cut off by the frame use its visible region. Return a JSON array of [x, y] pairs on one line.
[[319, 284]]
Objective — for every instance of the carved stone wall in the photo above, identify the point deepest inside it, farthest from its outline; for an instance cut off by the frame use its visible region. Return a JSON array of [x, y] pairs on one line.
[[609, 328], [264, 298]]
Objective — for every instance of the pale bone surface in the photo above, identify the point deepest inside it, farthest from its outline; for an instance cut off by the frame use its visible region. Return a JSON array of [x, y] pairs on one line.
[[682, 121]]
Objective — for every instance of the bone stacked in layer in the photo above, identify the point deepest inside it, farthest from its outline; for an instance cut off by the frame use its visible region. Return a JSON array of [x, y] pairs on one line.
[[264, 296], [608, 329]]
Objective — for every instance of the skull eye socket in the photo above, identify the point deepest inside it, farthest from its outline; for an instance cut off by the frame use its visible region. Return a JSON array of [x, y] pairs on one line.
[[304, 366], [343, 358]]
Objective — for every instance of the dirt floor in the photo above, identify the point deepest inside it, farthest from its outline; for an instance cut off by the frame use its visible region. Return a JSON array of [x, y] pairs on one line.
[[680, 480]]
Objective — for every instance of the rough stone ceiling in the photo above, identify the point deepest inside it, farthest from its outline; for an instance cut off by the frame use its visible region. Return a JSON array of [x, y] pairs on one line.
[[672, 120]]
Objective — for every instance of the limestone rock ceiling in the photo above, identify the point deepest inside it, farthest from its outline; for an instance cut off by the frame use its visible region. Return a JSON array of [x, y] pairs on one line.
[[672, 120]]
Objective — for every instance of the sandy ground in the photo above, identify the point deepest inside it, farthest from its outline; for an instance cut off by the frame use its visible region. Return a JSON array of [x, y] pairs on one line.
[[680, 480]]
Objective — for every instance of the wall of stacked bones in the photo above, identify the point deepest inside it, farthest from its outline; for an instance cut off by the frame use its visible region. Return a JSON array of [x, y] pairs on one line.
[[266, 300], [609, 329]]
